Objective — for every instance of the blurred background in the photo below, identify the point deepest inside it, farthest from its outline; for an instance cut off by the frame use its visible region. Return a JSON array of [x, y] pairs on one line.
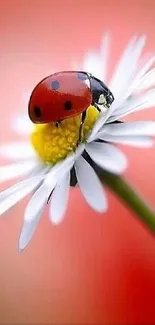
[[91, 269]]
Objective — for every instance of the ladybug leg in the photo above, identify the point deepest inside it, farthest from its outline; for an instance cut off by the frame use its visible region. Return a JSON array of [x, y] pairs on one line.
[[57, 124], [97, 107], [81, 125]]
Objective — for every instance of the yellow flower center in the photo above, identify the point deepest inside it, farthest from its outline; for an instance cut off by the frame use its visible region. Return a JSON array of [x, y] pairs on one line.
[[53, 144]]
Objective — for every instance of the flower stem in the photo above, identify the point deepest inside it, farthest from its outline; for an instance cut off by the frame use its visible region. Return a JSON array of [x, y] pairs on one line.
[[123, 190]]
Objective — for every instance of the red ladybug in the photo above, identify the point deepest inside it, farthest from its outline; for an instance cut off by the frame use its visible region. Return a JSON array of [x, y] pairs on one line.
[[67, 94]]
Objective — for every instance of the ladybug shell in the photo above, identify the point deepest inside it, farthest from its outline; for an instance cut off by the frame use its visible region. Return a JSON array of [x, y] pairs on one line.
[[60, 96]]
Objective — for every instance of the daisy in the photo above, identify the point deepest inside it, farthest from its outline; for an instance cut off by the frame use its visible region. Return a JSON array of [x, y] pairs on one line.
[[52, 163]]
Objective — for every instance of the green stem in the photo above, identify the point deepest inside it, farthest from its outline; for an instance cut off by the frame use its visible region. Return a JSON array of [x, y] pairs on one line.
[[129, 197]]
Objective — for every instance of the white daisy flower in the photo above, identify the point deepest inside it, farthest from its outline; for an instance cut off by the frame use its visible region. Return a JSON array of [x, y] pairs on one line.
[[51, 162]]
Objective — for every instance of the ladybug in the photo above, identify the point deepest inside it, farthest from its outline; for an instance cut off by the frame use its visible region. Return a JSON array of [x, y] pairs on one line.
[[66, 94]]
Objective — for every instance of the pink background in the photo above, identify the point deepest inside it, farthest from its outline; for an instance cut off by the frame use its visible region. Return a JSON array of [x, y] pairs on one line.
[[92, 269]]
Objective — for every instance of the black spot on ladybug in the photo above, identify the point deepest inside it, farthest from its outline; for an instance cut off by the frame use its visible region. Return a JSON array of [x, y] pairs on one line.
[[55, 85], [68, 106], [37, 111], [82, 76]]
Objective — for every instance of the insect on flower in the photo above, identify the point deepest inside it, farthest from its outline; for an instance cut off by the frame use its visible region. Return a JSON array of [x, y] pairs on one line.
[[51, 162], [67, 94]]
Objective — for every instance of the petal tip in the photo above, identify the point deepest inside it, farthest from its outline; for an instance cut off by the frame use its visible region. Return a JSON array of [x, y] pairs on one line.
[[55, 221], [20, 250], [104, 209], [21, 246]]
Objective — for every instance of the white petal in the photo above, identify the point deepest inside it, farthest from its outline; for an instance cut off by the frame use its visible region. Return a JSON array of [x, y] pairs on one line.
[[138, 77], [121, 65], [141, 76], [20, 191], [136, 104], [103, 117], [96, 62], [59, 170], [79, 150], [121, 81], [90, 185], [127, 65], [22, 150], [107, 157], [128, 128], [52, 178], [92, 63], [28, 230], [59, 199], [105, 55], [42, 194], [17, 170], [23, 125], [37, 201], [20, 185], [147, 81], [136, 141], [118, 109]]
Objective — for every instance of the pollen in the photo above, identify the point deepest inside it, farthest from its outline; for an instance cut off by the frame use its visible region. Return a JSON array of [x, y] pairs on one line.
[[53, 144]]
